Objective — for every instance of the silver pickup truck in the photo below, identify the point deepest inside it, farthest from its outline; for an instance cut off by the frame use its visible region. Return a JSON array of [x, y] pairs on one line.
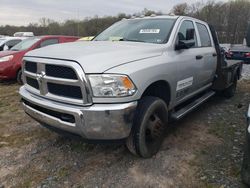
[[129, 81]]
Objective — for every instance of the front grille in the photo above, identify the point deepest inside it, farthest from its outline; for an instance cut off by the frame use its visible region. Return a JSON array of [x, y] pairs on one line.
[[65, 90], [58, 80], [31, 66], [60, 72], [32, 82], [62, 116]]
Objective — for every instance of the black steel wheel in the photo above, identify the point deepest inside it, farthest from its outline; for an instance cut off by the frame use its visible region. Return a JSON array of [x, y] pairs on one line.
[[149, 127]]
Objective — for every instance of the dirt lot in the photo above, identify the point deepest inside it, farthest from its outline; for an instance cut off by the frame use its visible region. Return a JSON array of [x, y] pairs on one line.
[[202, 150]]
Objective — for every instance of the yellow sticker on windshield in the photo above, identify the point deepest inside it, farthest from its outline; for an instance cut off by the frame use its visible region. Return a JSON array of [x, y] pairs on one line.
[[115, 38], [150, 31]]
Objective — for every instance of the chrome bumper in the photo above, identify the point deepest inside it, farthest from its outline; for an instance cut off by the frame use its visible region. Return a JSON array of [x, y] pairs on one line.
[[97, 122]]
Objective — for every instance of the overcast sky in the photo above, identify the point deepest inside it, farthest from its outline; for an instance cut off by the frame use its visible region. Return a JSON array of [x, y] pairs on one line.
[[23, 12]]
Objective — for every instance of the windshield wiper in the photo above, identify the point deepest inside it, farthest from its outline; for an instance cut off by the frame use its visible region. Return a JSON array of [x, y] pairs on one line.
[[131, 40]]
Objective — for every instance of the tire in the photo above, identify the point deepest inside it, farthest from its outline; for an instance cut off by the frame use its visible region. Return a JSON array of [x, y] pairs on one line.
[[19, 77], [149, 127], [230, 91]]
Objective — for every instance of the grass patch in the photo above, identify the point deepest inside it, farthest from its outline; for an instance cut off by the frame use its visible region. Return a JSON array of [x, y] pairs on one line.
[[63, 172], [23, 138]]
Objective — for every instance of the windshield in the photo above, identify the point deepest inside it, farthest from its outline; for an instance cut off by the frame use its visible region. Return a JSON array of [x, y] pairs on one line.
[[138, 30], [25, 44]]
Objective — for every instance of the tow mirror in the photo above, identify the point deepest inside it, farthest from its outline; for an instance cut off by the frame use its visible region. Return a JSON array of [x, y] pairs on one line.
[[184, 44]]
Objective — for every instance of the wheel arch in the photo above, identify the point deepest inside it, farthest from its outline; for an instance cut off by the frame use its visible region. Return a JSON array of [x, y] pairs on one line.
[[161, 89]]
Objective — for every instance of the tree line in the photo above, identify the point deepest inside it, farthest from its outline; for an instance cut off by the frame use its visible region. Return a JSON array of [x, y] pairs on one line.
[[230, 19]]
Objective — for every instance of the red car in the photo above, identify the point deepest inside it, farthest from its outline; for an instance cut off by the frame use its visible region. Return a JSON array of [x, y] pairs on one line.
[[11, 61]]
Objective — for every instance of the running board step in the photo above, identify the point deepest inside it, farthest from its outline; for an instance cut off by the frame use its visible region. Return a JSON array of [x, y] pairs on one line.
[[191, 106]]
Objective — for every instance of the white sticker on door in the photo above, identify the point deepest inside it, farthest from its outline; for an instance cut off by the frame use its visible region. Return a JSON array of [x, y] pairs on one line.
[[150, 31], [182, 84]]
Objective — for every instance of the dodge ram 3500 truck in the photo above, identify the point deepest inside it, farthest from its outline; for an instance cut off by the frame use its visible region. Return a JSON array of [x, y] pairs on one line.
[[129, 81]]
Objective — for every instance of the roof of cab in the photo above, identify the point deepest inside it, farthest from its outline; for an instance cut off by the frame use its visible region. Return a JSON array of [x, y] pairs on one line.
[[155, 17], [175, 17], [165, 17]]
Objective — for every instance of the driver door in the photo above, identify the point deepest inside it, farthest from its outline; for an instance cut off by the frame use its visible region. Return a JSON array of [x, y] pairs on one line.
[[188, 62]]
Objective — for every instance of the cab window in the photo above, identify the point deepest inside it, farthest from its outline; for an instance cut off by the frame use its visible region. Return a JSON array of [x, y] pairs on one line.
[[204, 35], [49, 42], [184, 32]]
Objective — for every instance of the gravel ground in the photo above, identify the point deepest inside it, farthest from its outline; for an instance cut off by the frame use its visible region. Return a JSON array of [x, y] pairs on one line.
[[202, 150]]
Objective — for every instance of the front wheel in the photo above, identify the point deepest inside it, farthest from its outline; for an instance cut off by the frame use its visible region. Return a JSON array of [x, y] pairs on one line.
[[149, 127]]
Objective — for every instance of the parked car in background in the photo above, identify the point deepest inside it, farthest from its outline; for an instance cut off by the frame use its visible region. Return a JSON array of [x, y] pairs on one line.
[[24, 34], [7, 43], [245, 171], [89, 38], [11, 60], [239, 52]]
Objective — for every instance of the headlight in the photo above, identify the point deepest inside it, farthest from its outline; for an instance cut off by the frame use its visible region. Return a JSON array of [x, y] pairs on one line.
[[111, 85], [6, 58]]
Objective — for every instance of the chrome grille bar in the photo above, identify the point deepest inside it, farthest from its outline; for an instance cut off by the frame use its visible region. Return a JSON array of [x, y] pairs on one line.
[[43, 81]]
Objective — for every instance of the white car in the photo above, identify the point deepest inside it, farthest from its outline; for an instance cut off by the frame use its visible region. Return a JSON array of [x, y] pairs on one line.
[[23, 34], [8, 42]]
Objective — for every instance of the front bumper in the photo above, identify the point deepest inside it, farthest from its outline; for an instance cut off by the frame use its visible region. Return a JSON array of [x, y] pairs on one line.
[[96, 122]]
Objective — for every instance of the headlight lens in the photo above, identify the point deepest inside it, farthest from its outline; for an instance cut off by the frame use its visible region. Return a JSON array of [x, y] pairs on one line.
[[6, 58], [110, 85]]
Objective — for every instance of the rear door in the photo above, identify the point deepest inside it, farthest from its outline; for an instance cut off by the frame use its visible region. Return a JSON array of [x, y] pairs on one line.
[[208, 54]]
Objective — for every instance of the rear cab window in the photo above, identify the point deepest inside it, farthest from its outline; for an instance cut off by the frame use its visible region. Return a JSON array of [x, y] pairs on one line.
[[204, 35]]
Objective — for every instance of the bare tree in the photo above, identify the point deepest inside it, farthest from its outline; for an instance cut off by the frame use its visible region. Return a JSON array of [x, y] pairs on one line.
[[181, 9], [229, 19]]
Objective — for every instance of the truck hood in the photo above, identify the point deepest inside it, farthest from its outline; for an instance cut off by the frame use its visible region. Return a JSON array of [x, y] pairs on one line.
[[99, 56]]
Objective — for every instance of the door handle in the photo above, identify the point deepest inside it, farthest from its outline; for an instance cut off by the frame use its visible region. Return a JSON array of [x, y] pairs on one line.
[[214, 55], [199, 57]]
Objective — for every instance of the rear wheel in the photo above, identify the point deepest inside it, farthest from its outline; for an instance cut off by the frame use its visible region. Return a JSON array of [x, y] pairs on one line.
[[19, 77], [149, 127]]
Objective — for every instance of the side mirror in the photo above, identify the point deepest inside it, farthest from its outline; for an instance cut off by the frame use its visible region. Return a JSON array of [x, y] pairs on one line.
[[184, 44]]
